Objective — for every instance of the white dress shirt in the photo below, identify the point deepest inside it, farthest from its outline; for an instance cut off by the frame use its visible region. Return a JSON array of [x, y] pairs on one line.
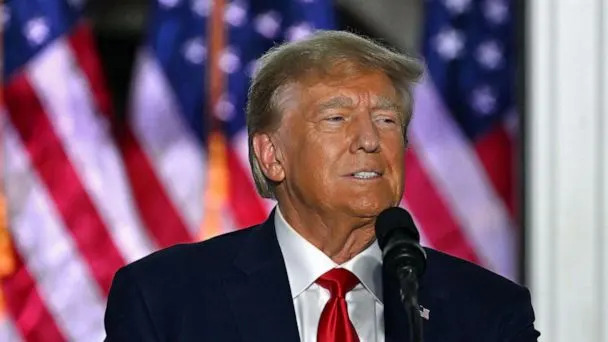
[[305, 263]]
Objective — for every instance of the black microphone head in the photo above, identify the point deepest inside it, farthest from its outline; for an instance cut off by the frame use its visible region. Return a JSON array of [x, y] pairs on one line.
[[392, 220], [399, 241]]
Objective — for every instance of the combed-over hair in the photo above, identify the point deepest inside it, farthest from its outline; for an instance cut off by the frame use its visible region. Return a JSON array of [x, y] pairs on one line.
[[319, 53]]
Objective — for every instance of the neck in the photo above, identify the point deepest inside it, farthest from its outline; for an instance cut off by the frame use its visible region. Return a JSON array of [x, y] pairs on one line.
[[340, 237]]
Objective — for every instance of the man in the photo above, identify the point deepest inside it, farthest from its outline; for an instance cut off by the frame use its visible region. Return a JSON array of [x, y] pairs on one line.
[[327, 121]]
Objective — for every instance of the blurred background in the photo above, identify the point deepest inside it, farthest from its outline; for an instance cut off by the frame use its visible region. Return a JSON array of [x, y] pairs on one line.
[[122, 131]]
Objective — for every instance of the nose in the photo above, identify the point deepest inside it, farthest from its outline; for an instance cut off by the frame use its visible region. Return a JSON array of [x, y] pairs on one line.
[[365, 135]]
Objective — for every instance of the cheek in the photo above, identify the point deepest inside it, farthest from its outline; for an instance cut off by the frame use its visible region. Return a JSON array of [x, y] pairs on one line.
[[394, 146], [396, 163], [314, 161]]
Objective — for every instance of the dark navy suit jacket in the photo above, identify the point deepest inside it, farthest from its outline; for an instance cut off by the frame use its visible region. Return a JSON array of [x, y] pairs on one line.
[[235, 288]]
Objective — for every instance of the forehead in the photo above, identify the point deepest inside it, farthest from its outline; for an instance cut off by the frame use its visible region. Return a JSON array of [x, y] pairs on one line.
[[341, 100], [345, 88]]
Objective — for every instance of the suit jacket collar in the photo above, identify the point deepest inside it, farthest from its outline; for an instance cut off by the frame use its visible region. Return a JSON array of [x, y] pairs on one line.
[[259, 292]]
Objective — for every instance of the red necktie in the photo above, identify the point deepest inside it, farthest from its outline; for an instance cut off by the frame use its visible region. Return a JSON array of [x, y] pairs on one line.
[[334, 324]]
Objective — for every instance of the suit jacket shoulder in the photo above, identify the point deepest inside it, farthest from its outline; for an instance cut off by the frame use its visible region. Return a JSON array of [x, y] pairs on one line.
[[477, 300], [457, 277], [152, 299], [178, 262]]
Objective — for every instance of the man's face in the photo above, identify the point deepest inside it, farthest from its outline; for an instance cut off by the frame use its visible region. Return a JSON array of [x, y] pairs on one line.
[[341, 144]]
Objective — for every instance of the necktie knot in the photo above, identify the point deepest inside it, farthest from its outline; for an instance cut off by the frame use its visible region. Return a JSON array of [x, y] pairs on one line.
[[334, 323], [338, 281]]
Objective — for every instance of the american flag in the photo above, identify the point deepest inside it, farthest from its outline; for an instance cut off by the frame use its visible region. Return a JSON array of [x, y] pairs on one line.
[[87, 193], [460, 178]]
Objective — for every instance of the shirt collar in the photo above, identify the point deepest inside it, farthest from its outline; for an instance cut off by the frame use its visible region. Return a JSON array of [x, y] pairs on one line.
[[305, 262]]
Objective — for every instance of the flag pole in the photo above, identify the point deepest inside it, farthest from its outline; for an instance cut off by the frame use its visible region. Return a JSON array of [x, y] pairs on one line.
[[216, 191]]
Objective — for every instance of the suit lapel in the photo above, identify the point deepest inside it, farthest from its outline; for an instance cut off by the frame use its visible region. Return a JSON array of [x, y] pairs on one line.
[[440, 326], [443, 323], [259, 294]]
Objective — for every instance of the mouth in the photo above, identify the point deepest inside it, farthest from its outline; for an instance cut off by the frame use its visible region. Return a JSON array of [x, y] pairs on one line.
[[366, 174]]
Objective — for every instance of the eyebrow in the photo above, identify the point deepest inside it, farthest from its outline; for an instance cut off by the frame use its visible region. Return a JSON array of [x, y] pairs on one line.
[[382, 102], [385, 103], [336, 102]]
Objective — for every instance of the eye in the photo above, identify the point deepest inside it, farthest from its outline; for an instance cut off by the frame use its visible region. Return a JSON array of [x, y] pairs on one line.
[[387, 120], [335, 118]]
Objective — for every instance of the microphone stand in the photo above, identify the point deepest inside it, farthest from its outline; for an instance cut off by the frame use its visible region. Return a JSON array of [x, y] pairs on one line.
[[408, 283]]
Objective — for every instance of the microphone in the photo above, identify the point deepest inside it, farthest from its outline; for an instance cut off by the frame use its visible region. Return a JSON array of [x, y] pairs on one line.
[[403, 258]]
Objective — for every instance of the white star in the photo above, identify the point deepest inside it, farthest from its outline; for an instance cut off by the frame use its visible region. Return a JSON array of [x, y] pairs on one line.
[[299, 32], [496, 11], [236, 13], [449, 43], [229, 60], [194, 51], [168, 3], [224, 109], [489, 54], [37, 30], [201, 7], [457, 6], [483, 100], [268, 24]]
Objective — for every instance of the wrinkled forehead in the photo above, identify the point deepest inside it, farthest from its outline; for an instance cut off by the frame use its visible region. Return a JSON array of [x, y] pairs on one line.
[[334, 71], [378, 101], [342, 88]]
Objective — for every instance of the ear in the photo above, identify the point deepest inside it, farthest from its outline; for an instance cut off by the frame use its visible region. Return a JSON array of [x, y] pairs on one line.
[[268, 157]]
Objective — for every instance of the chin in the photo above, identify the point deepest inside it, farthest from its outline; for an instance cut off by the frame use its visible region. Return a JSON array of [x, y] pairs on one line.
[[369, 209]]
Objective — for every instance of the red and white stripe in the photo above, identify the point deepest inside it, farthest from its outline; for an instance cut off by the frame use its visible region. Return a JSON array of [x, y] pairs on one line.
[[32, 321], [49, 252], [460, 182], [85, 136], [179, 160], [71, 217], [438, 227], [156, 210], [175, 154]]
